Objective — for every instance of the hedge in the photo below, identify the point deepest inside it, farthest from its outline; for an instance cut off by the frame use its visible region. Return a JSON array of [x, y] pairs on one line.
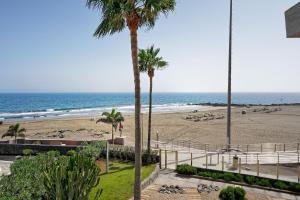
[[97, 150], [186, 169]]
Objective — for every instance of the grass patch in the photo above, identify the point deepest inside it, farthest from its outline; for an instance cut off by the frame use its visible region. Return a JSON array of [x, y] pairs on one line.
[[118, 183]]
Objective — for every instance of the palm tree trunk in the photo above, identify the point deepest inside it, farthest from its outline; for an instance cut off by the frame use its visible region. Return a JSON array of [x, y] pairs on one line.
[[137, 91], [112, 134], [150, 115], [16, 139]]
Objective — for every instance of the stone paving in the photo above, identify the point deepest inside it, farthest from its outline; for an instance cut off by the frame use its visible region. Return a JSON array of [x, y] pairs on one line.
[[169, 177]]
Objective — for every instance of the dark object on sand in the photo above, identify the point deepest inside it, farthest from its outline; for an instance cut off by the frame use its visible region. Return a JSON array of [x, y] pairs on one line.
[[244, 112], [1, 122]]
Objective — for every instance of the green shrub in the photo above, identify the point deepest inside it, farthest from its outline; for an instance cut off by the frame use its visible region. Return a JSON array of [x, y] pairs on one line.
[[204, 174], [31, 177], [229, 176], [239, 193], [186, 169], [93, 150], [250, 179], [294, 187], [263, 182], [27, 152], [72, 177], [232, 193], [27, 177], [227, 193], [280, 185]]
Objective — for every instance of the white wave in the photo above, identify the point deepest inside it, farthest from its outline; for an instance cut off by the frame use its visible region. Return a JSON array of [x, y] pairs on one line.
[[51, 113]]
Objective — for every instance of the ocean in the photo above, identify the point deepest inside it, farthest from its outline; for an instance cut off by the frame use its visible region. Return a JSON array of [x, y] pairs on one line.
[[34, 106]]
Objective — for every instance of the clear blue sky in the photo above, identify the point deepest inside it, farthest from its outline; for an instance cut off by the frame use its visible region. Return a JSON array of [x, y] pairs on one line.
[[47, 46]]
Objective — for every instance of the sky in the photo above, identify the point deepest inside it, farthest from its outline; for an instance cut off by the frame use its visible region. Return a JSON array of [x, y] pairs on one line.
[[48, 46]]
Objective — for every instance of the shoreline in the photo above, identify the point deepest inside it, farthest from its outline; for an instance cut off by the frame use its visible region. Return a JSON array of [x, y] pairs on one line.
[[96, 112]]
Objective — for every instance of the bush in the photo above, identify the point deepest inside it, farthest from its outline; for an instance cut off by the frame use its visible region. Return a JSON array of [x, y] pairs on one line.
[[72, 177], [27, 177], [280, 185], [27, 152], [186, 169], [232, 193], [250, 180], [33, 177], [263, 182], [239, 193], [227, 193], [229, 176], [294, 187]]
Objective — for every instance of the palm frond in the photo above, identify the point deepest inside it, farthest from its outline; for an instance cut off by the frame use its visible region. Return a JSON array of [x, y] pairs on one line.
[[149, 60], [115, 13]]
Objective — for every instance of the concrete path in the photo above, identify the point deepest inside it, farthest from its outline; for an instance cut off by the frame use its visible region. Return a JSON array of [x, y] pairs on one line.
[[169, 177], [4, 167]]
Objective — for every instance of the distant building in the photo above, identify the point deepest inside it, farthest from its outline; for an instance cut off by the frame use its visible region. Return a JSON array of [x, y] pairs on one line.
[[292, 19]]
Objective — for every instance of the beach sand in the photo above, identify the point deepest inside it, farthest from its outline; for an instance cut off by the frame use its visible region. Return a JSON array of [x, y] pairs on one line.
[[262, 126]]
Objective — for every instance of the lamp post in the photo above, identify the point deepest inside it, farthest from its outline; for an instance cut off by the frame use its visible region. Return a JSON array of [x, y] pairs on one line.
[[229, 82]]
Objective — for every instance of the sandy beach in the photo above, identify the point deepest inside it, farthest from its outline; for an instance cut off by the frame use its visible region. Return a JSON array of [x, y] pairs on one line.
[[272, 124]]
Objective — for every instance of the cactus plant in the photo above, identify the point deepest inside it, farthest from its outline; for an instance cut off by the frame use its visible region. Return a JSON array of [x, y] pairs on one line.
[[72, 178]]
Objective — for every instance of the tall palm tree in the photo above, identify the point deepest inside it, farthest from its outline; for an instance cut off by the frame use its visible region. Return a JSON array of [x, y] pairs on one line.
[[14, 131], [134, 14], [114, 118], [149, 61]]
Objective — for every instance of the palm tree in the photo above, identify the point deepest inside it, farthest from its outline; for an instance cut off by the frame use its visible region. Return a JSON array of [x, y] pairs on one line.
[[14, 131], [149, 61], [114, 118], [134, 14]]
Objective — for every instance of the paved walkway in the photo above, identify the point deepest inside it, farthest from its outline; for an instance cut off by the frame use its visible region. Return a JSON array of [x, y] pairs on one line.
[[169, 177], [214, 161]]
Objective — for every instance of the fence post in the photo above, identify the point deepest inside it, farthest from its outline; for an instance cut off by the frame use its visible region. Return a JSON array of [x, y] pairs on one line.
[[206, 161], [257, 167], [176, 158], [246, 158], [284, 147], [261, 148], [210, 158], [247, 148], [222, 163], [159, 158], [191, 159], [166, 159], [240, 165], [218, 158], [298, 147], [275, 149], [298, 157]]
